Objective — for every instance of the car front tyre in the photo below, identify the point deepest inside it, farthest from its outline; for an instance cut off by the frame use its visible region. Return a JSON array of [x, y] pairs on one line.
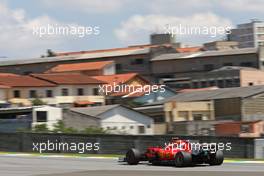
[[216, 158], [133, 156], [183, 159]]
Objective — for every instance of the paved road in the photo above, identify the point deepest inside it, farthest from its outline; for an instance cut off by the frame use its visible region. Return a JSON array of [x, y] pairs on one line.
[[51, 166]]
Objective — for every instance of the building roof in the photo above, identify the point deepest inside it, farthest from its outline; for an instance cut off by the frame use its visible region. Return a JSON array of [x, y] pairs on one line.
[[12, 80], [225, 68], [135, 47], [188, 49], [94, 111], [82, 55], [237, 92], [68, 79], [189, 55], [79, 66], [117, 78], [198, 89]]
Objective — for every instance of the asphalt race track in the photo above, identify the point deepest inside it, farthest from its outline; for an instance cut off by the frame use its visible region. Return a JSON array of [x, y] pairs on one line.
[[51, 166]]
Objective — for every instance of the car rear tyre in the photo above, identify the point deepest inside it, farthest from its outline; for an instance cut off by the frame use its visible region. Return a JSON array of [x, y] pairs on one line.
[[216, 158], [183, 159], [133, 156], [156, 161]]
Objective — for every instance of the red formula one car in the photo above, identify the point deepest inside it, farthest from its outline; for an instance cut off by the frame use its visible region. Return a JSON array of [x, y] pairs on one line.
[[180, 153]]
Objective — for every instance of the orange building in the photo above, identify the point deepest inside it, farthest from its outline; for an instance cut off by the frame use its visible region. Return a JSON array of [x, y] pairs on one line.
[[241, 129], [87, 68]]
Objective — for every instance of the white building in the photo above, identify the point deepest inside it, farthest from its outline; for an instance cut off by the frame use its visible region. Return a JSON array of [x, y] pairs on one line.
[[46, 115], [119, 119], [248, 34]]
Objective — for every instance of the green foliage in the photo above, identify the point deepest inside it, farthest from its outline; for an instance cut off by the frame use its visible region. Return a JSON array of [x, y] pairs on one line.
[[70, 130], [59, 127], [50, 53], [41, 128], [94, 130], [23, 130], [37, 102]]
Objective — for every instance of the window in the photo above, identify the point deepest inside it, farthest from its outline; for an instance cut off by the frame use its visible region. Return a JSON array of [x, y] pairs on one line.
[[250, 83], [132, 127], [119, 66], [208, 67], [16, 94], [182, 86], [246, 64], [229, 83], [220, 83], [95, 91], [123, 127], [64, 92], [141, 129], [212, 83], [183, 115], [137, 62], [195, 85], [41, 116], [49, 93], [203, 84], [197, 117], [80, 91], [27, 73], [149, 126], [228, 64], [245, 128], [237, 82], [32, 93]]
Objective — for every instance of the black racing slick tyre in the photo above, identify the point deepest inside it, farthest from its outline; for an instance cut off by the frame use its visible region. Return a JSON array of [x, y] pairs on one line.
[[156, 160], [133, 156], [183, 159], [216, 158]]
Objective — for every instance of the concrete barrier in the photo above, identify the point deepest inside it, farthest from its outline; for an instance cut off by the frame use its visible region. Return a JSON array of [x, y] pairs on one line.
[[119, 144]]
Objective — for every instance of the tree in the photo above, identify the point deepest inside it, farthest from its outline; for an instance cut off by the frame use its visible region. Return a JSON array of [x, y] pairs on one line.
[[41, 128], [50, 53], [60, 127], [37, 102]]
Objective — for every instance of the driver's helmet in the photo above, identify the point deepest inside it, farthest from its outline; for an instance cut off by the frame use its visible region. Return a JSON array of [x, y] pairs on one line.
[[175, 140]]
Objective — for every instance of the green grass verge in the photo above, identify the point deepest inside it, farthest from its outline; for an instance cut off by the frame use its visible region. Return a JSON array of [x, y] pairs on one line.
[[243, 159], [106, 155], [66, 154]]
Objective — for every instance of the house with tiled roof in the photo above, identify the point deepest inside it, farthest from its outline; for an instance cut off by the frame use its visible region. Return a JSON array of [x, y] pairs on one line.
[[53, 89], [17, 89], [78, 89], [120, 85], [87, 68]]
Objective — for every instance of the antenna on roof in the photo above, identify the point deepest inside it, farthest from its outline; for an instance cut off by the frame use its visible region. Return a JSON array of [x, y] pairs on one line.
[[255, 20]]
